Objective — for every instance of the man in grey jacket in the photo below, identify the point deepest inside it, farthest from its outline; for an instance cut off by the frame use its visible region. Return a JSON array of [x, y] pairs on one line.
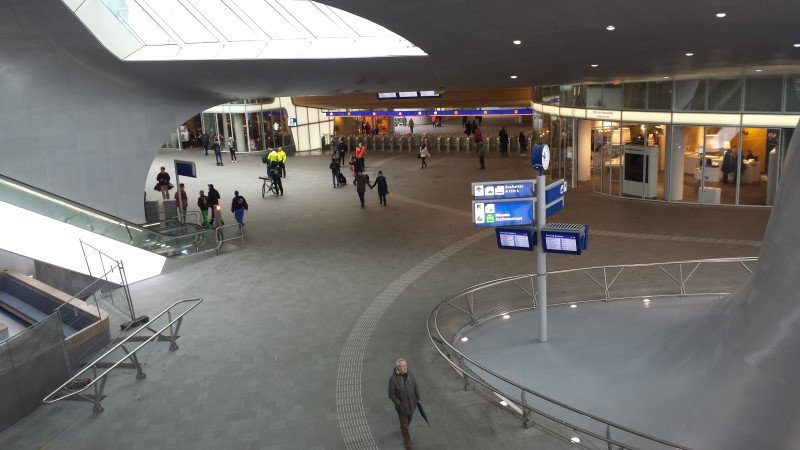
[[404, 393]]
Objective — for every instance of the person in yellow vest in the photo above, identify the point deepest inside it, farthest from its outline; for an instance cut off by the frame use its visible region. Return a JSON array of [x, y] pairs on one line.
[[272, 159], [282, 161]]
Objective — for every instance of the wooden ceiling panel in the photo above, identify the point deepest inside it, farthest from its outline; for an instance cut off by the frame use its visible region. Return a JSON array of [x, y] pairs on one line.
[[452, 98]]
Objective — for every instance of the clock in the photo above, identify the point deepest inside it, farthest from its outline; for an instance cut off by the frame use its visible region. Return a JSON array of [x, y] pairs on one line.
[[540, 157]]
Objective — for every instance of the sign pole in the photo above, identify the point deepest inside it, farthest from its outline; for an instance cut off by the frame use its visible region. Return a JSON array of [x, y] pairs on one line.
[[541, 257]]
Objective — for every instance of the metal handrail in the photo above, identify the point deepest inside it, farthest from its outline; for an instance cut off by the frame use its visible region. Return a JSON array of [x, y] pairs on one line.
[[49, 398], [221, 238], [439, 339]]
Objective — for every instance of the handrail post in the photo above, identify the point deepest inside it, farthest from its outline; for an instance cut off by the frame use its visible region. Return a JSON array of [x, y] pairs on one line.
[[605, 284], [140, 375], [683, 282], [526, 412], [608, 436]]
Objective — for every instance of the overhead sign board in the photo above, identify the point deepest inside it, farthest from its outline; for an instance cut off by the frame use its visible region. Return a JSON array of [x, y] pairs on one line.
[[515, 238], [292, 121], [491, 190], [500, 213], [185, 168]]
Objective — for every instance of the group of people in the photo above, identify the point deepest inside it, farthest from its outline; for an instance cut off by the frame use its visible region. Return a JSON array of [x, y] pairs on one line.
[[275, 160], [211, 202]]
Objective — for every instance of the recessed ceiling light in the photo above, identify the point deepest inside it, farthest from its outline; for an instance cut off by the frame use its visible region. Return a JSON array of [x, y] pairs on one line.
[[573, 305], [506, 316], [464, 339], [575, 440], [665, 77], [690, 54], [797, 45], [721, 15], [611, 28], [759, 70], [516, 42], [513, 77], [592, 65], [503, 403]]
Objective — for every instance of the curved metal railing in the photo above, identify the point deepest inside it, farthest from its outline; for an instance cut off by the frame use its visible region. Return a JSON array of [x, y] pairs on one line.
[[483, 302]]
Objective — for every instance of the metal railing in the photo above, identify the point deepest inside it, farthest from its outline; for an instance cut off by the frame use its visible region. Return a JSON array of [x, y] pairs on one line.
[[75, 387], [221, 231], [483, 302]]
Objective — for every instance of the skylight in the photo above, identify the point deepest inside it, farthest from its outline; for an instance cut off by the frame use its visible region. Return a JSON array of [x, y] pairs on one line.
[[163, 30]]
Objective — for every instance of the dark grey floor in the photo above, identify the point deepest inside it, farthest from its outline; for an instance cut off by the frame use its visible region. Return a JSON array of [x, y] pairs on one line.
[[259, 360]]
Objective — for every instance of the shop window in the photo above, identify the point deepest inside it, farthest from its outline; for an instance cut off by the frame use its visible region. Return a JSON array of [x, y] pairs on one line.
[[725, 95], [793, 94], [690, 95], [537, 94], [763, 94], [659, 95], [612, 96], [634, 95], [567, 95], [594, 96]]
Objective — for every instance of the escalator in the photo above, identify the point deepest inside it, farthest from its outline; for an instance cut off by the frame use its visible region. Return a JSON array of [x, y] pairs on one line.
[[169, 238]]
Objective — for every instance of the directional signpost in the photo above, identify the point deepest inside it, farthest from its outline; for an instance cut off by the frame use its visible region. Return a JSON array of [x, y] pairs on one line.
[[504, 204]]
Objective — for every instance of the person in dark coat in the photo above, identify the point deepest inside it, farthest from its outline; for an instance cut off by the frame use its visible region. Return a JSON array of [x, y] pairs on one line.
[[204, 141], [163, 183], [383, 187], [404, 393], [728, 166], [334, 166], [503, 142], [217, 151], [238, 207], [203, 204], [361, 182], [274, 171], [523, 144], [341, 149], [216, 212]]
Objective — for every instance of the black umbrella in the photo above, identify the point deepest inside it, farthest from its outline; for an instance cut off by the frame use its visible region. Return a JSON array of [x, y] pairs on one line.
[[422, 413]]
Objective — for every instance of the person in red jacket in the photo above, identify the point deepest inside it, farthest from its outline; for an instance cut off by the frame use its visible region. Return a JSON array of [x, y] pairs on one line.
[[361, 152]]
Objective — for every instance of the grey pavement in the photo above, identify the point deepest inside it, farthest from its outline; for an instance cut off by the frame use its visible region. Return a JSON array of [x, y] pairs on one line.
[[258, 360]]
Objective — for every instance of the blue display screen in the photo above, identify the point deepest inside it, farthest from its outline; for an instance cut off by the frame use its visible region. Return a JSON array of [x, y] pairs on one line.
[[515, 239], [561, 242]]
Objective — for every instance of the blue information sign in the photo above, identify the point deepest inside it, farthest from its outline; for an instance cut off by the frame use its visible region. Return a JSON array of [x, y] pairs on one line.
[[554, 207], [515, 238], [500, 213], [491, 190], [185, 168], [555, 190]]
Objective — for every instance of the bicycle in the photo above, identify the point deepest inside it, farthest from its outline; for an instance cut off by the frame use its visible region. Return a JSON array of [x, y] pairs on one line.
[[268, 185]]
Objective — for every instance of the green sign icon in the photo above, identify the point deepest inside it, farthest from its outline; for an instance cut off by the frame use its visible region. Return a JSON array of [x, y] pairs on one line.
[[490, 218]]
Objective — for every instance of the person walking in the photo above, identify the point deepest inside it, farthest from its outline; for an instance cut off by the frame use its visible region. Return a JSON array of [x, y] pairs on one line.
[[423, 153], [216, 212], [404, 393], [203, 204], [464, 123], [361, 182], [383, 187], [163, 183], [523, 144], [361, 153], [232, 148], [182, 202], [341, 149], [204, 140], [282, 161], [411, 125], [503, 142], [238, 207], [217, 151], [334, 166], [481, 150]]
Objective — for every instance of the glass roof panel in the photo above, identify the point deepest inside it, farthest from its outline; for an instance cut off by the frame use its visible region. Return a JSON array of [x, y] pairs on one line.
[[138, 21], [183, 23], [236, 29], [227, 23]]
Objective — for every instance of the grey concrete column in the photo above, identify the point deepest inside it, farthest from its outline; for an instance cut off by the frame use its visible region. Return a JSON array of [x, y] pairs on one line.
[[674, 190], [584, 150], [238, 133]]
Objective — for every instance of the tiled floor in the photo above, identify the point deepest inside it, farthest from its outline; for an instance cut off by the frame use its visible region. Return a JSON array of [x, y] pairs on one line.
[[260, 359]]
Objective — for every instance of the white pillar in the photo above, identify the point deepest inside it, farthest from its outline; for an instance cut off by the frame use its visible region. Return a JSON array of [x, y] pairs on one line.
[[238, 133], [675, 167], [584, 150]]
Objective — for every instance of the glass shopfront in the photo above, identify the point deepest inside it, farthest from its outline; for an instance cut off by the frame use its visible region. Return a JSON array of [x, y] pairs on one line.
[[657, 157]]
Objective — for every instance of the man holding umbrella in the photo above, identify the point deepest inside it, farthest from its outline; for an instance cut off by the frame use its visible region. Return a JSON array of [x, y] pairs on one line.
[[404, 393]]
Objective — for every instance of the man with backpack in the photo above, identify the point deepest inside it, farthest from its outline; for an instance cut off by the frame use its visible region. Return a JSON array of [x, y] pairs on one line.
[[203, 204], [216, 212], [238, 207]]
